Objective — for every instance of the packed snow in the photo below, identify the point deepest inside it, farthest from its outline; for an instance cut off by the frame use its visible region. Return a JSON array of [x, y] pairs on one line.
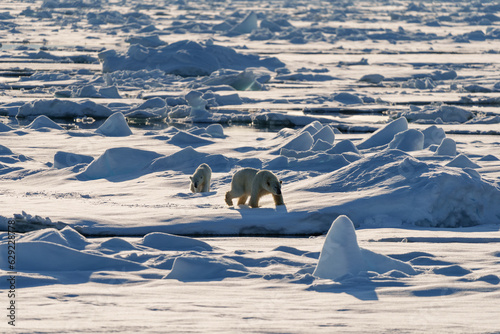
[[380, 120]]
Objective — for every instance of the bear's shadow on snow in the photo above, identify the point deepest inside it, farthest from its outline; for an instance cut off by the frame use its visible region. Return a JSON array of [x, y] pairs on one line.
[[259, 220], [247, 211]]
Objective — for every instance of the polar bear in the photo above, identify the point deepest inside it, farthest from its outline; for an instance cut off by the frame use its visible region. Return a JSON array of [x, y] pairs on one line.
[[200, 180], [254, 183]]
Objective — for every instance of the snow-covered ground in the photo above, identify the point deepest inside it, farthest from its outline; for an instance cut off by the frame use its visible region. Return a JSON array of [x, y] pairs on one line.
[[380, 118]]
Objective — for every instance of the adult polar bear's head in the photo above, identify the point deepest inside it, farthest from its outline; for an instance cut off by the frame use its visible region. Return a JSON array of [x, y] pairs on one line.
[[270, 182]]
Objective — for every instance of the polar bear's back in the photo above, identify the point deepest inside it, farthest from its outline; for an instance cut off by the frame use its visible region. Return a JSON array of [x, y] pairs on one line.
[[243, 179], [204, 168]]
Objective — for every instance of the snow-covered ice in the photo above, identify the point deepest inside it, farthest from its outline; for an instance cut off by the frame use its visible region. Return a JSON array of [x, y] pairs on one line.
[[380, 119]]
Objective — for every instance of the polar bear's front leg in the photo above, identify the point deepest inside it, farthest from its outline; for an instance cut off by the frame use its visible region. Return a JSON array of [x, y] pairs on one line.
[[278, 200], [255, 196]]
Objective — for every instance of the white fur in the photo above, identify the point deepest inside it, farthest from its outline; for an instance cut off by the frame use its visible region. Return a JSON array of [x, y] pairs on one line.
[[200, 181], [254, 183]]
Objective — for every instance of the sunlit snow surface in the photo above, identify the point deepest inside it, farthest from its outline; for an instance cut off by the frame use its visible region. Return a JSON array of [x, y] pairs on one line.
[[381, 120]]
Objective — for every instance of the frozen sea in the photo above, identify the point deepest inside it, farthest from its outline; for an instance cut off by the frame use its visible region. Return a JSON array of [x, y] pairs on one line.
[[380, 118]]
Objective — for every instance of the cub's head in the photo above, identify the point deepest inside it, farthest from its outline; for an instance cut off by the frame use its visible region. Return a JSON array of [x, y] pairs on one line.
[[197, 182], [273, 185]]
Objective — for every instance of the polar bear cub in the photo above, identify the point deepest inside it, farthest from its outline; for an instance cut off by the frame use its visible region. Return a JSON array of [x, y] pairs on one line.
[[254, 183], [200, 180]]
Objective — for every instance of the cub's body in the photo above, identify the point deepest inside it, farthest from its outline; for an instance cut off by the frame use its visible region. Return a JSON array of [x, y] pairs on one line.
[[200, 180]]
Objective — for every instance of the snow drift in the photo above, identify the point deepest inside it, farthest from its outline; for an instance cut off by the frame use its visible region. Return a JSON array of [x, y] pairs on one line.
[[394, 186]]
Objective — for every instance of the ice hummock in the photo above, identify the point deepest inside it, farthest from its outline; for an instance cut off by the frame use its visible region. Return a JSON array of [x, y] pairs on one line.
[[57, 108], [384, 135], [115, 126], [413, 192], [43, 122], [342, 257], [185, 58]]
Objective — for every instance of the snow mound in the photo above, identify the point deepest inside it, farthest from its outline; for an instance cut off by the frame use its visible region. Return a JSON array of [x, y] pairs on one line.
[[215, 130], [318, 162], [247, 80], [152, 108], [342, 257], [489, 157], [185, 58], [4, 127], [43, 122], [200, 268], [188, 158], [340, 254], [91, 91], [198, 104], [344, 146], [119, 161], [115, 126], [301, 142], [7, 156], [66, 237], [433, 136], [43, 256], [4, 150], [409, 140], [321, 145], [115, 245], [394, 186], [26, 223], [384, 135], [372, 78], [326, 134], [170, 242], [183, 138], [462, 161], [63, 109], [67, 159], [347, 98], [150, 41], [312, 128], [447, 147]]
